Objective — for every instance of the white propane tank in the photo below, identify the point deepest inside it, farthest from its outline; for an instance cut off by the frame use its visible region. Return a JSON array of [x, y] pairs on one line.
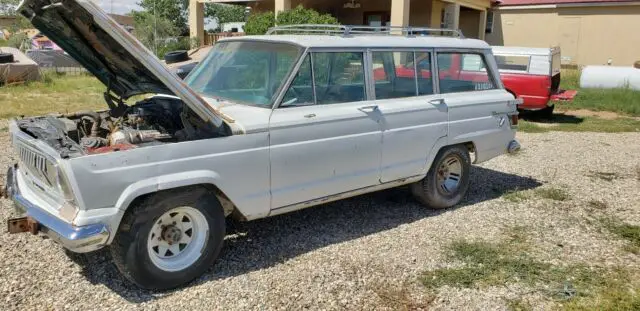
[[609, 77]]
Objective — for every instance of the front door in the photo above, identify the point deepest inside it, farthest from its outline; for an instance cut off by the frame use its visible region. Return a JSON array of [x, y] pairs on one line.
[[325, 137], [413, 118]]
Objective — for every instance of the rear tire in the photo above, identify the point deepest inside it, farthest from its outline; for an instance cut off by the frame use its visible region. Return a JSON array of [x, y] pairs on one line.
[[447, 181], [169, 238]]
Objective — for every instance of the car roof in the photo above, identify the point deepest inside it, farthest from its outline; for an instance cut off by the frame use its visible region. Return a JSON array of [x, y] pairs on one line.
[[367, 41], [518, 50]]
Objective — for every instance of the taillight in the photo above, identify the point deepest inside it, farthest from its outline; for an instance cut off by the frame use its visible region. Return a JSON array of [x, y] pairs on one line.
[[514, 120]]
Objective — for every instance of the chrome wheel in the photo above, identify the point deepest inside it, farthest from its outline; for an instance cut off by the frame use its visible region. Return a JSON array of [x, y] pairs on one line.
[[177, 239], [449, 174]]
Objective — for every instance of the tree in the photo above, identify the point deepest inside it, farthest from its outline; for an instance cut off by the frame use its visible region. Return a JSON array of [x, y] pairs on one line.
[[154, 33], [224, 13], [174, 11], [258, 24]]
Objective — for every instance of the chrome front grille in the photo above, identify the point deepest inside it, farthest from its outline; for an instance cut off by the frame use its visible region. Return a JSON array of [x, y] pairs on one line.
[[36, 164]]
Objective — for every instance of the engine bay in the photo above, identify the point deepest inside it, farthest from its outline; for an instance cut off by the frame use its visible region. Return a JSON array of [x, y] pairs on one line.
[[153, 121]]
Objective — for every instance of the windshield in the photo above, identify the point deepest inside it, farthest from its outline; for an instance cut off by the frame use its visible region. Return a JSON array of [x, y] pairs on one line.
[[244, 72]]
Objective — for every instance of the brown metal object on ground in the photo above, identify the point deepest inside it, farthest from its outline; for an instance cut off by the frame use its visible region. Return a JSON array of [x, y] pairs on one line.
[[23, 224]]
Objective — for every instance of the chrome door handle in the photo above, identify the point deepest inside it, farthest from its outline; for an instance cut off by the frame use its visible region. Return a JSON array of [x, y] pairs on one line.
[[437, 102], [311, 115], [368, 108]]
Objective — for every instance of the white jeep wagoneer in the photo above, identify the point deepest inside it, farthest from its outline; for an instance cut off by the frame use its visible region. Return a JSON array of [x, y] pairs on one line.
[[264, 125]]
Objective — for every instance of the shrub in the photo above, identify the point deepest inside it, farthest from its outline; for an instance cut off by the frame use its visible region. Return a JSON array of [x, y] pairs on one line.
[[259, 23]]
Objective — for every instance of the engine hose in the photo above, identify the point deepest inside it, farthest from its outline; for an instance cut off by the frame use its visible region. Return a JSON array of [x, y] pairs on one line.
[[97, 120]]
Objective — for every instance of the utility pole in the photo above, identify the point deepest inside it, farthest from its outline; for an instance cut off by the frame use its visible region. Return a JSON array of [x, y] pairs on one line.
[[155, 28]]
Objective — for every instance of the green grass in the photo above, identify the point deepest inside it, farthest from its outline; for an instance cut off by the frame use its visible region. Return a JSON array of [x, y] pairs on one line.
[[625, 231], [53, 94], [572, 286], [555, 194], [516, 196], [623, 100], [606, 176], [587, 124]]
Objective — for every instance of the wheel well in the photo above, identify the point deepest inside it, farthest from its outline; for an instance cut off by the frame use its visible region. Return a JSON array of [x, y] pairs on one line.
[[471, 147], [228, 206]]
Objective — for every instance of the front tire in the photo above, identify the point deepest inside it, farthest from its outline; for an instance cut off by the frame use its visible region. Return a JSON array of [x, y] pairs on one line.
[[447, 181], [169, 238]]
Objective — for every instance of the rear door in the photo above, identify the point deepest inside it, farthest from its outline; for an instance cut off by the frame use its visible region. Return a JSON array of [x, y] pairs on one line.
[[477, 102], [413, 116]]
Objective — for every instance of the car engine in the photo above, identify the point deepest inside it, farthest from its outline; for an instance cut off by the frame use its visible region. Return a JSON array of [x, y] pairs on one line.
[[153, 121]]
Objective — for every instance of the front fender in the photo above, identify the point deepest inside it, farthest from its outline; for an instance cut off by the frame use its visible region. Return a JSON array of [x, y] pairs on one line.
[[165, 182]]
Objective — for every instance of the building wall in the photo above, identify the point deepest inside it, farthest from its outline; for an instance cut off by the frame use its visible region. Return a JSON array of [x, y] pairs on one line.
[[423, 13], [586, 35]]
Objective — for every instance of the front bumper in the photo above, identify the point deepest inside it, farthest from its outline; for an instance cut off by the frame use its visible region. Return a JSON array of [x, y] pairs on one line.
[[79, 239]]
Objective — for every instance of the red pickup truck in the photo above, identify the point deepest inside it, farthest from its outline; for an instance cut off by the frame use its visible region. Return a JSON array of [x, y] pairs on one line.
[[532, 74]]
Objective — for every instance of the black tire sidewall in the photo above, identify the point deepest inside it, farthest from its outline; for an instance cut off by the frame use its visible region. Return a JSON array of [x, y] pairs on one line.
[[427, 189], [141, 270], [176, 57]]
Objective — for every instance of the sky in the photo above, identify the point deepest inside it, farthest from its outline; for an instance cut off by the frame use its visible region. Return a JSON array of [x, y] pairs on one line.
[[119, 6]]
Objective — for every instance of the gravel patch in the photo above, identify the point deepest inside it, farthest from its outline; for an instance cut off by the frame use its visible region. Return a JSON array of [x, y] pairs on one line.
[[367, 252]]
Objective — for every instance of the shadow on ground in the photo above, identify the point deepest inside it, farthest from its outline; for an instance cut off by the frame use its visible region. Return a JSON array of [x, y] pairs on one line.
[[264, 243], [556, 118]]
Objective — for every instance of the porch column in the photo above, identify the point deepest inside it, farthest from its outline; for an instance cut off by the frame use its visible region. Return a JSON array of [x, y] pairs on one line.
[[452, 16], [400, 13], [196, 20], [436, 14], [282, 5], [483, 24]]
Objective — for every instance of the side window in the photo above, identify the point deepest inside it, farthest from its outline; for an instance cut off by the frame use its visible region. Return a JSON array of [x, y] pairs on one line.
[[339, 77], [394, 74], [425, 78], [515, 62], [469, 74], [300, 91]]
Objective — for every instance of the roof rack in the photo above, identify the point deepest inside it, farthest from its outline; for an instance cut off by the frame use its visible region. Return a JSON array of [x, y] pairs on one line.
[[349, 30]]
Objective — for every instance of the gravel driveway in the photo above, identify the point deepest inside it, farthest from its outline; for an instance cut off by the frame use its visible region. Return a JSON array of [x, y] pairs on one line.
[[366, 252]]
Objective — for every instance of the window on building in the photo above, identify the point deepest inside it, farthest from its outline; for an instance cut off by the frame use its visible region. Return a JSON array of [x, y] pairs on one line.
[[489, 26], [463, 72], [394, 74]]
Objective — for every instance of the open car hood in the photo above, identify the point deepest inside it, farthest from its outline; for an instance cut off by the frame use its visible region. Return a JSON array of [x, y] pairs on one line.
[[110, 53]]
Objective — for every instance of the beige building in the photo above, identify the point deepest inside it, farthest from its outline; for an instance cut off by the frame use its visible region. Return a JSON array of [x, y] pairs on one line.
[[467, 15], [589, 32]]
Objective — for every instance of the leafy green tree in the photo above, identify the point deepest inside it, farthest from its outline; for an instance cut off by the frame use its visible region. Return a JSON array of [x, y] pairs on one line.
[[154, 33], [259, 23], [300, 15], [175, 11], [225, 13]]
